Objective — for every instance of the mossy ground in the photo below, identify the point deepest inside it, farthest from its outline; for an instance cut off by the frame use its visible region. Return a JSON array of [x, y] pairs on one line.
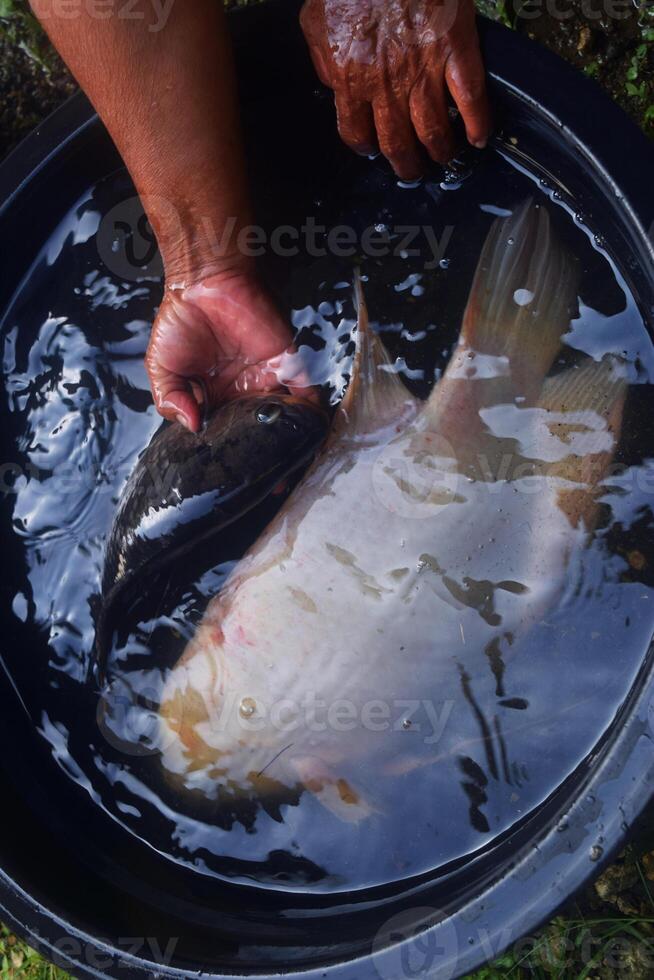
[[611, 41], [609, 930], [33, 81]]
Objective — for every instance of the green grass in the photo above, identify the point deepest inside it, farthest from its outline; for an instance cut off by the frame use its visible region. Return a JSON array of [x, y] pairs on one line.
[[576, 949], [19, 962], [22, 29], [608, 932]]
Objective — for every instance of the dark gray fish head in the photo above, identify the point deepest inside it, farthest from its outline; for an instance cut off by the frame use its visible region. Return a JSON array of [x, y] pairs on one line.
[[187, 486]]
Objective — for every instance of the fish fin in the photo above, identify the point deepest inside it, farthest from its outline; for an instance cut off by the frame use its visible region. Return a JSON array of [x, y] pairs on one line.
[[523, 295], [375, 393], [335, 793], [594, 386], [403, 765], [587, 405]]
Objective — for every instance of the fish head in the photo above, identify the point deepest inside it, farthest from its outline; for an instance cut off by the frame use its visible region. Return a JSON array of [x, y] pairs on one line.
[[276, 424]]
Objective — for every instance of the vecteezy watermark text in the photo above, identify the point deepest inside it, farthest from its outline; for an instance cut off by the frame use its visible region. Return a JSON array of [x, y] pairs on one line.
[[104, 954], [425, 942], [128, 718], [127, 245], [154, 12], [314, 714], [342, 241], [413, 485], [592, 10]]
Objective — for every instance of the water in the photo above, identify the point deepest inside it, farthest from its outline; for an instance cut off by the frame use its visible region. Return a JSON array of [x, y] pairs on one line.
[[503, 736]]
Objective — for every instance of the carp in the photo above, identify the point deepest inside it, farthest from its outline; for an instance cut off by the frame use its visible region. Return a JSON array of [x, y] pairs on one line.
[[422, 530]]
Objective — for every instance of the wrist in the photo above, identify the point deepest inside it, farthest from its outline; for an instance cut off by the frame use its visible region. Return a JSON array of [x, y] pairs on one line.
[[190, 260], [197, 241], [197, 246]]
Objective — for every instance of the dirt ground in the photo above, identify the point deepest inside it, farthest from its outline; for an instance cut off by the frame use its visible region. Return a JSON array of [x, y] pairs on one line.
[[611, 41]]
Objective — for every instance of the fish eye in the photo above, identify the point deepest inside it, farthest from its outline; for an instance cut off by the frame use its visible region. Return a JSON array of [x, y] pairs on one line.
[[268, 413]]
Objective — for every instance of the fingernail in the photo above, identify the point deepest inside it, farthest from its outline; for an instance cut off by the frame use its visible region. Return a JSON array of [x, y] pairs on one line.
[[181, 419], [480, 144]]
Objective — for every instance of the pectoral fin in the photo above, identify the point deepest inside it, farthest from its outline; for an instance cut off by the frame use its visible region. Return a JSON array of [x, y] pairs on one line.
[[334, 792]]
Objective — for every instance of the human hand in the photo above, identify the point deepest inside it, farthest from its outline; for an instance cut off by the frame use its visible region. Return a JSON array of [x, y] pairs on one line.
[[389, 63], [224, 330]]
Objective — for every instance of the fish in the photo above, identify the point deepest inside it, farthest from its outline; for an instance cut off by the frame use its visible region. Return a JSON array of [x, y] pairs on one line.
[[425, 533], [187, 487]]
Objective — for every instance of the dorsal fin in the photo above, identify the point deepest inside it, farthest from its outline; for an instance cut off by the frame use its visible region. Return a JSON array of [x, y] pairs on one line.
[[375, 394]]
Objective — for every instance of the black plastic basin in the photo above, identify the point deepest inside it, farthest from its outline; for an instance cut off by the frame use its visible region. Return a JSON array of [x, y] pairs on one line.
[[99, 908]]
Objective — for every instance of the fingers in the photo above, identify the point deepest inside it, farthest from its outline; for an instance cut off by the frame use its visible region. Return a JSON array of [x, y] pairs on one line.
[[215, 340], [355, 123], [173, 395], [466, 80], [397, 139], [312, 24], [428, 107], [252, 379], [173, 399], [282, 371]]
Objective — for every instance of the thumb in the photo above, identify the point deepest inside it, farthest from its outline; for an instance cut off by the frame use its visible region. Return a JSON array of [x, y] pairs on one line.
[[174, 399], [181, 406]]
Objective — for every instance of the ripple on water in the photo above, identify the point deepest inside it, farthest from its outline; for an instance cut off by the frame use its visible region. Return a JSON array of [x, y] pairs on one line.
[[79, 409]]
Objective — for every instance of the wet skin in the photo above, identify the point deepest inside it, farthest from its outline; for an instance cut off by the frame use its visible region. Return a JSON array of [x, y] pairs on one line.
[[390, 65]]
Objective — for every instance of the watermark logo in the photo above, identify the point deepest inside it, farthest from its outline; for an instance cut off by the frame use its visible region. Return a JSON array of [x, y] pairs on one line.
[[416, 943], [154, 13], [126, 243]]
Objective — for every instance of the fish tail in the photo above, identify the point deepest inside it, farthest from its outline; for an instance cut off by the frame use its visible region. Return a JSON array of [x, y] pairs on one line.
[[595, 386], [523, 294], [586, 405]]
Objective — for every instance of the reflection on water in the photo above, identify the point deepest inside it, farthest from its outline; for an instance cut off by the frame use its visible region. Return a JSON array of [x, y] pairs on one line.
[[427, 640]]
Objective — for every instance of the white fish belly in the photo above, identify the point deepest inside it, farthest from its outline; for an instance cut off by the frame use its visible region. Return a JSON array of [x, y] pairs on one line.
[[359, 594]]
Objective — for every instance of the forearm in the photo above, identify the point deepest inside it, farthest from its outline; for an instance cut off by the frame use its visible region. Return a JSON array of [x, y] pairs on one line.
[[167, 95]]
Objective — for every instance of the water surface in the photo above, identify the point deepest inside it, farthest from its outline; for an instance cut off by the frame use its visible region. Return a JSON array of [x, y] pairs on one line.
[[79, 410]]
